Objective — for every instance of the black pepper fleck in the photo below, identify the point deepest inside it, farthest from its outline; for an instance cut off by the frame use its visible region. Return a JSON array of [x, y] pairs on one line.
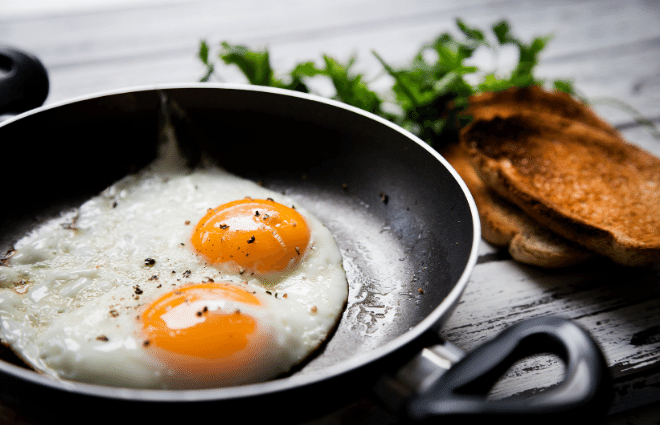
[[383, 197]]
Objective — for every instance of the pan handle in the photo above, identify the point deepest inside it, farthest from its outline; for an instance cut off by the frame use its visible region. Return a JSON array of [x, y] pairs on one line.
[[23, 81], [460, 392]]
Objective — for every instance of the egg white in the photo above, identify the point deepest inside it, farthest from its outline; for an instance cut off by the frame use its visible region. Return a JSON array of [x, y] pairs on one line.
[[72, 290]]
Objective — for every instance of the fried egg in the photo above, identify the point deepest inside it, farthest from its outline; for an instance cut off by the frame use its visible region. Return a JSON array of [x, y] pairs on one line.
[[173, 278]]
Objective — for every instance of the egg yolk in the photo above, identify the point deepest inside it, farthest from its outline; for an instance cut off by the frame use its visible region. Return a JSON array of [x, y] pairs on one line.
[[202, 321], [259, 236]]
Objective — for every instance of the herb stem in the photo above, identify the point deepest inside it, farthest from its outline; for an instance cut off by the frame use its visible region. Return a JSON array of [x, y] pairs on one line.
[[638, 117]]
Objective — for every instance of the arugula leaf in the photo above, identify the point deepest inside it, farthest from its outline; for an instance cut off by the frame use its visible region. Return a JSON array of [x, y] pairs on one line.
[[349, 87], [254, 65], [502, 31], [203, 55], [475, 35], [440, 88], [298, 75], [431, 93]]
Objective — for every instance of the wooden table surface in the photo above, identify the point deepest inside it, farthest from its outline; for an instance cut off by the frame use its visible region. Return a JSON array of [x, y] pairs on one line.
[[608, 48]]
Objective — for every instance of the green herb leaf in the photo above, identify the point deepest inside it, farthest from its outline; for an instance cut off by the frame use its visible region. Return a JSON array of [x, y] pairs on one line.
[[471, 33], [501, 31], [431, 91], [204, 52], [203, 55], [254, 65], [565, 86], [349, 87]]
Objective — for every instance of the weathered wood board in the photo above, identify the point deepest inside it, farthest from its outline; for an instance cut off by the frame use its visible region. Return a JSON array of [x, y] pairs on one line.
[[611, 49]]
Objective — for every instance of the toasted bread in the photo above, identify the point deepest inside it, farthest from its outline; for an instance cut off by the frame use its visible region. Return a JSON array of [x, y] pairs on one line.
[[504, 224], [534, 99], [569, 171]]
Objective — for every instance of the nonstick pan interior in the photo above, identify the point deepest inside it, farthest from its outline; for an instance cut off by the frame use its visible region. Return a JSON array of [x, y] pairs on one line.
[[404, 223]]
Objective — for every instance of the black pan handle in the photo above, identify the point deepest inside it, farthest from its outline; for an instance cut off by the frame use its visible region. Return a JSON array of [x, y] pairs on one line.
[[460, 393], [23, 81]]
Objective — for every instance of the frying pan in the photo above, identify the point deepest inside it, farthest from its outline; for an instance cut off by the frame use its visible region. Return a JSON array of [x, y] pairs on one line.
[[401, 216]]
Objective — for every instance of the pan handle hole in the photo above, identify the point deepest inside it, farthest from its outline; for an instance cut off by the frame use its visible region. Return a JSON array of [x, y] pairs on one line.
[[6, 65], [525, 376]]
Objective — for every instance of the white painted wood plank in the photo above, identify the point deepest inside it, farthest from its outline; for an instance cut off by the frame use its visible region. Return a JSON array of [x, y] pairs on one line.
[[617, 305], [603, 53], [610, 48]]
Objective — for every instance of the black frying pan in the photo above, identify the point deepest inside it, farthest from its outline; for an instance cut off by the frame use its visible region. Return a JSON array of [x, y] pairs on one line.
[[402, 217]]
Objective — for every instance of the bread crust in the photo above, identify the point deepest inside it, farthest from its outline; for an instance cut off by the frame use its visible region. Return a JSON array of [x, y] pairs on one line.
[[504, 224], [568, 170], [534, 99]]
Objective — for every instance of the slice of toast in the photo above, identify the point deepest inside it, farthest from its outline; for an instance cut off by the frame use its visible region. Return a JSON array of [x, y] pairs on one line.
[[534, 99], [504, 224], [569, 171]]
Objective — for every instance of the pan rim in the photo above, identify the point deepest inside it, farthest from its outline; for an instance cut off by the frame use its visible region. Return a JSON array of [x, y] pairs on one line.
[[291, 382]]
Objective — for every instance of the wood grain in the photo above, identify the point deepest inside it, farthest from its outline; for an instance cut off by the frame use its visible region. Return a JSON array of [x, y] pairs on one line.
[[609, 48]]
